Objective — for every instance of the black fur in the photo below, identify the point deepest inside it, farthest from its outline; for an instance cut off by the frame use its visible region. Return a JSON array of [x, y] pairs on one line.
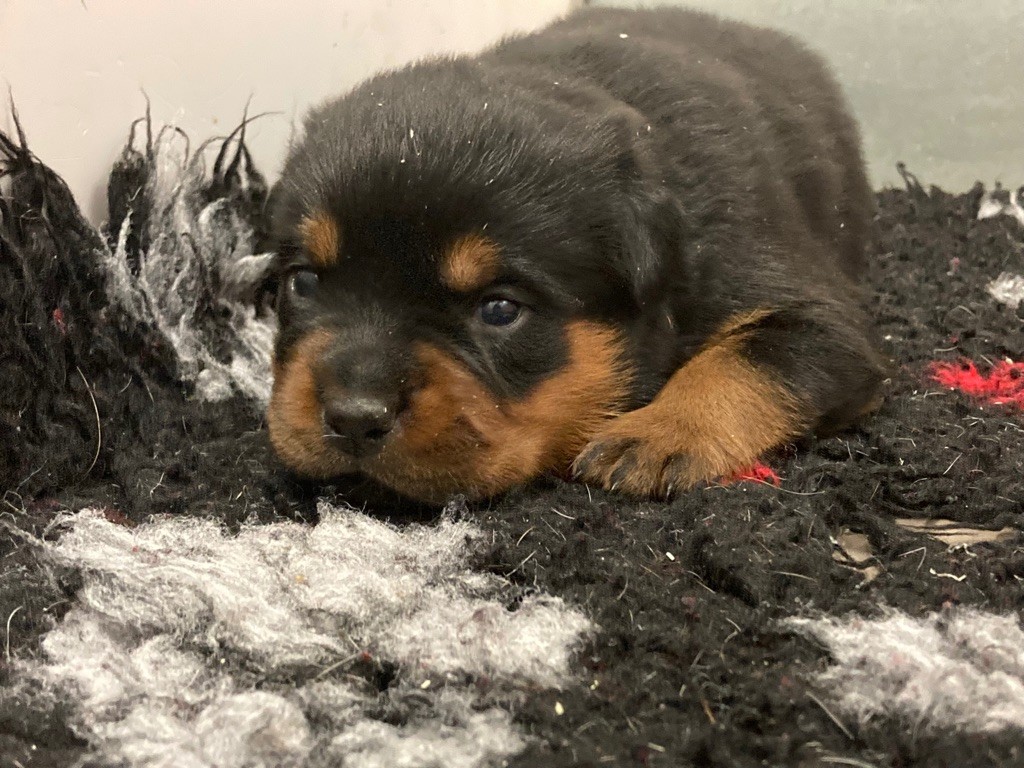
[[662, 171]]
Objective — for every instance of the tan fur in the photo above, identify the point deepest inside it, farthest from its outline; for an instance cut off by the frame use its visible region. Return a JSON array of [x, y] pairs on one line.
[[457, 437], [715, 415], [294, 418], [321, 238], [737, 326], [470, 264]]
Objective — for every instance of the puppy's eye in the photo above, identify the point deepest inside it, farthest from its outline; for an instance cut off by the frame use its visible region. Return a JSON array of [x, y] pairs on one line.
[[303, 283], [498, 311]]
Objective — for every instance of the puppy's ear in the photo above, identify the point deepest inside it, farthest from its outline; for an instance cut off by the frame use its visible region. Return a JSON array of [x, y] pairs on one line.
[[650, 221], [651, 232]]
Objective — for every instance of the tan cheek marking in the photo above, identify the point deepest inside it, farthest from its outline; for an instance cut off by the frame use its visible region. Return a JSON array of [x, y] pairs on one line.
[[470, 264], [459, 438], [293, 418], [566, 409], [321, 238]]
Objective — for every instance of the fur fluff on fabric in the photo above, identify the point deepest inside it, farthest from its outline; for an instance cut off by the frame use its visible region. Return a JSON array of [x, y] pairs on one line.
[[190, 646], [963, 669]]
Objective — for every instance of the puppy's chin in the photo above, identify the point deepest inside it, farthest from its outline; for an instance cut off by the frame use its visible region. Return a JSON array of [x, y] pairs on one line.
[[304, 451]]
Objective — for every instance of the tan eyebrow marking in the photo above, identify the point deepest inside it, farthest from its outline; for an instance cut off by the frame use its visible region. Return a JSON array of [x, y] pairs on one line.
[[470, 263], [321, 238]]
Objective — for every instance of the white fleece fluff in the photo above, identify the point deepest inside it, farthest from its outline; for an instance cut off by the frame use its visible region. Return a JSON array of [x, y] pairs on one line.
[[991, 205], [474, 739], [200, 253], [187, 646], [961, 670], [1007, 289]]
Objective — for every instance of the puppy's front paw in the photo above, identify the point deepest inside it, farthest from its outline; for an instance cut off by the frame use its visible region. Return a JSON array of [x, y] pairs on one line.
[[716, 414], [642, 455]]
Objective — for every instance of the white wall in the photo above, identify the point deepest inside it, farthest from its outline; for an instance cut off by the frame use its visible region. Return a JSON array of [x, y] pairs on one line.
[[77, 68]]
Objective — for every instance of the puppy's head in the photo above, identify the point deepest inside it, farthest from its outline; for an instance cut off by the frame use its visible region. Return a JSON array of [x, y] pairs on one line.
[[454, 301]]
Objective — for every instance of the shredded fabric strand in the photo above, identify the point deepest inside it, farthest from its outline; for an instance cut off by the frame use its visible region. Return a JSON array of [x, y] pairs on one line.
[[196, 277]]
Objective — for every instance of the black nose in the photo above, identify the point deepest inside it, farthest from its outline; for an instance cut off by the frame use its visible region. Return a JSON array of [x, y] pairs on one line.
[[359, 423]]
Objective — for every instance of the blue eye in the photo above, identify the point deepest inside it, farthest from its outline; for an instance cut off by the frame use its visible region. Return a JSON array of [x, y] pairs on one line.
[[499, 311], [303, 283]]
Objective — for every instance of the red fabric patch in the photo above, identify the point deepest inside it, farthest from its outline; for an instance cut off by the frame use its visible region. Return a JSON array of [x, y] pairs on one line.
[[58, 320], [757, 473], [1003, 385]]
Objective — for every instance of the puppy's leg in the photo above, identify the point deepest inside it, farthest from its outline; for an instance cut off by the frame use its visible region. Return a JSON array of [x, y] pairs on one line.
[[765, 378]]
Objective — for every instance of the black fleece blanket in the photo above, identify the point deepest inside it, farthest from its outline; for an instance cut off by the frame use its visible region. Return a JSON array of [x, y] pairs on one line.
[[855, 601]]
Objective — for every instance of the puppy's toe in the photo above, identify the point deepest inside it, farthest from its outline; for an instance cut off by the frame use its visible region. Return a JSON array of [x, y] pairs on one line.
[[601, 458], [630, 457], [643, 454], [644, 473], [635, 467], [680, 473]]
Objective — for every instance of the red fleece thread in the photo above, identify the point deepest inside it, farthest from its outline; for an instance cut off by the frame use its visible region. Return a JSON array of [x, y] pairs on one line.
[[758, 473], [58, 320], [1004, 384]]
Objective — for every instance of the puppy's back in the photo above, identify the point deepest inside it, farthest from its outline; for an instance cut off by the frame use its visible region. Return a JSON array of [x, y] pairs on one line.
[[745, 103]]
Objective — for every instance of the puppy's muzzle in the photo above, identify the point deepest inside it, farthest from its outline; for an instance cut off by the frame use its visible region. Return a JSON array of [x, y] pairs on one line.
[[361, 384]]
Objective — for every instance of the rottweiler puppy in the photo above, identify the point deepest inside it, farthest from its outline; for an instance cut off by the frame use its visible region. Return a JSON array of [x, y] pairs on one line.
[[626, 247]]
